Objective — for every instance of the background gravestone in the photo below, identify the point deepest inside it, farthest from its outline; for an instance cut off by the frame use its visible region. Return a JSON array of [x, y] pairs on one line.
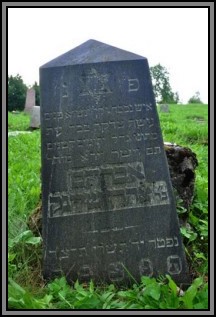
[[164, 108], [35, 117], [30, 100], [107, 200]]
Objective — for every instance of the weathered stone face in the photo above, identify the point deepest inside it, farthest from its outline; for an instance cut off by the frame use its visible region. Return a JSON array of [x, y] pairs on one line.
[[30, 100], [35, 117], [164, 108], [106, 192]]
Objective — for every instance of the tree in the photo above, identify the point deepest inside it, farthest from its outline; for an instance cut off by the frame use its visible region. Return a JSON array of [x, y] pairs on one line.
[[176, 97], [37, 93], [16, 93], [195, 98], [161, 85]]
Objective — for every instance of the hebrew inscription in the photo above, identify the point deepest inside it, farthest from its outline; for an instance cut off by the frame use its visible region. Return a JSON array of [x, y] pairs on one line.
[[126, 135], [116, 270], [126, 187]]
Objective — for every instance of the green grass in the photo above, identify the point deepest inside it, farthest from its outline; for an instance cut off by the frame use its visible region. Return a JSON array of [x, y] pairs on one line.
[[180, 126], [186, 125], [18, 121], [23, 179]]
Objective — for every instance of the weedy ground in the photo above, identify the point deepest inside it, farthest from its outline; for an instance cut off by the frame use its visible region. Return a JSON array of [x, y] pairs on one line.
[[185, 125]]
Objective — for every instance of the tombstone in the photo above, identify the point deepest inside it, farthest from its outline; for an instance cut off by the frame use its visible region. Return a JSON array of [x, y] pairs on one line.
[[107, 200], [164, 108], [35, 117], [30, 100]]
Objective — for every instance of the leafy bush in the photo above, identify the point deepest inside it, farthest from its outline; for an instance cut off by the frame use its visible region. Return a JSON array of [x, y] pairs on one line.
[[149, 294], [195, 98], [16, 93]]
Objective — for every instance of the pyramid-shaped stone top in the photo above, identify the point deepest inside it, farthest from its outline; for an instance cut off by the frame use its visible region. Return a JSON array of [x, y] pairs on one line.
[[92, 52]]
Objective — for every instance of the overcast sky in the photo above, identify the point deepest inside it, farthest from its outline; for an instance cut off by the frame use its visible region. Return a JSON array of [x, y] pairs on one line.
[[177, 38]]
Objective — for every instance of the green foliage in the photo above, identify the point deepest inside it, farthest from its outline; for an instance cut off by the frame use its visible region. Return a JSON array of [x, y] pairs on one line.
[[12, 268], [185, 125], [23, 251], [16, 93], [19, 298], [188, 233], [79, 297], [190, 300], [195, 98], [25, 237], [161, 85], [149, 294]]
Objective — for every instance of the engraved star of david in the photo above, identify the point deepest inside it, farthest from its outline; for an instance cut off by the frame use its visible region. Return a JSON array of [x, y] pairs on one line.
[[95, 84]]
